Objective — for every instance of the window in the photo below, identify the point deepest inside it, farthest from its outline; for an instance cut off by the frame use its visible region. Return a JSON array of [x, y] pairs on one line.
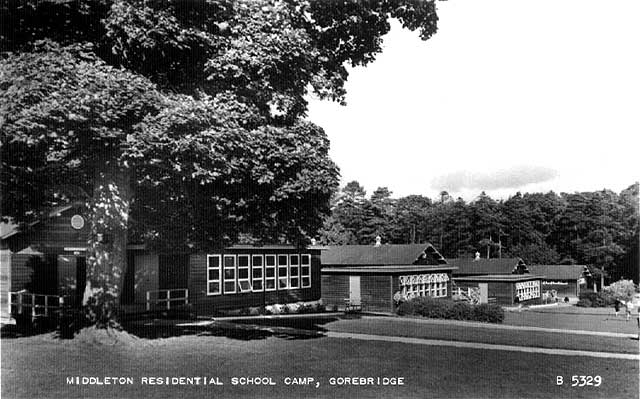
[[244, 280], [283, 278], [528, 290], [214, 283], [229, 274], [257, 272], [270, 273], [305, 270], [294, 271], [434, 285]]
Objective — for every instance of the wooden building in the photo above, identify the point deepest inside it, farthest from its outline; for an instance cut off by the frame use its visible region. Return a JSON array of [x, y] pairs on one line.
[[48, 263], [374, 277], [248, 276], [565, 280], [49, 259], [507, 281]]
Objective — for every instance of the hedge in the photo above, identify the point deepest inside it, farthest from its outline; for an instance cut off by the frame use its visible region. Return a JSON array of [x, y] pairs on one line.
[[590, 299], [447, 309]]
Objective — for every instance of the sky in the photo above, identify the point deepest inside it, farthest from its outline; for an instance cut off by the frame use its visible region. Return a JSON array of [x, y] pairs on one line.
[[507, 96]]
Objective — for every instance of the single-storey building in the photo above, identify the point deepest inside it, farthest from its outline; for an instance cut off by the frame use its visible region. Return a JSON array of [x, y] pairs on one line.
[[247, 276], [565, 280], [376, 276], [507, 281], [45, 268]]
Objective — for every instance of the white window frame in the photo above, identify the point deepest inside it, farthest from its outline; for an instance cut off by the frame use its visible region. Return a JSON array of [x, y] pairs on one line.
[[261, 278], [220, 274], [291, 276], [304, 266], [286, 270], [244, 280], [275, 272], [235, 274]]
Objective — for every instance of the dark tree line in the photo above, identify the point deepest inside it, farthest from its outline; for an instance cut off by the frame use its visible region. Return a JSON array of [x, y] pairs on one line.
[[599, 228]]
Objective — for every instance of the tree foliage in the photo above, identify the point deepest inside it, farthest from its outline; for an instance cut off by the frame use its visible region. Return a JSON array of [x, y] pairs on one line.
[[180, 124], [598, 229]]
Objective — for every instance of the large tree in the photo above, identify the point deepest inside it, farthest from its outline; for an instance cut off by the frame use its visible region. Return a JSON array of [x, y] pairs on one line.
[[182, 122]]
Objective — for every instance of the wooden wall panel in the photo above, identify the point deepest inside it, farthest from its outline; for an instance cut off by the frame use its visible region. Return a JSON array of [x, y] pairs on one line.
[[335, 289], [146, 276], [210, 304], [376, 293], [5, 282]]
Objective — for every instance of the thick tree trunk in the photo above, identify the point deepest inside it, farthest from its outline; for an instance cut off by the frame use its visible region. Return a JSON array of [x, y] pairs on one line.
[[107, 260]]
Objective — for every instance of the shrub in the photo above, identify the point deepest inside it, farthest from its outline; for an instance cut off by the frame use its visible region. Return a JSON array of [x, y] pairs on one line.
[[488, 313], [584, 303], [461, 311], [595, 299], [446, 309], [407, 308]]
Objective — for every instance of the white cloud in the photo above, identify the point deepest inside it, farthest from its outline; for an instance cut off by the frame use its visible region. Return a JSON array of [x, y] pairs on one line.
[[515, 177]]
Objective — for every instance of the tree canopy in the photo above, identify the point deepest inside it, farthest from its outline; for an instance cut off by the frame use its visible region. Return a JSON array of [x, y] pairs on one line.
[[180, 124], [598, 229]]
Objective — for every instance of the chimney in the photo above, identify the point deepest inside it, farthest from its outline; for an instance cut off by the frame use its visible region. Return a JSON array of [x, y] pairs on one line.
[[378, 241], [477, 256]]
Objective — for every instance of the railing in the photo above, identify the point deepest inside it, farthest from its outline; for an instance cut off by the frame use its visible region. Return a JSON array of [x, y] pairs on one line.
[[471, 295], [167, 297], [35, 304]]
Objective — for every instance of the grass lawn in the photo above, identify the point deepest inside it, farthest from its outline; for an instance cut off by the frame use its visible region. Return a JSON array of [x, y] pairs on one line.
[[410, 328], [573, 318], [38, 366]]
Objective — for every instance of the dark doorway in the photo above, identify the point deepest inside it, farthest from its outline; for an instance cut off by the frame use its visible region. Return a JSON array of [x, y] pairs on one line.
[[81, 279], [44, 275], [128, 289], [172, 271]]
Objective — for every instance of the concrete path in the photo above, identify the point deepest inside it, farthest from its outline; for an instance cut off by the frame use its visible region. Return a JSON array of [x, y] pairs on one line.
[[476, 345], [506, 326]]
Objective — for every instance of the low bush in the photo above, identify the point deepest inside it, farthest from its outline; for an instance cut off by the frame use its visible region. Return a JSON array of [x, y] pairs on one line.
[[446, 309], [461, 311], [590, 299], [488, 313], [584, 303]]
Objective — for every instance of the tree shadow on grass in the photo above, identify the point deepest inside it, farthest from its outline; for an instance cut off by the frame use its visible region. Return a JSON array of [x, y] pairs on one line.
[[244, 329], [12, 331]]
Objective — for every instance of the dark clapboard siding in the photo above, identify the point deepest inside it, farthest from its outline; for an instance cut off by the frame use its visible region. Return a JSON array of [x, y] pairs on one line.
[[56, 233], [335, 289], [376, 293], [209, 304]]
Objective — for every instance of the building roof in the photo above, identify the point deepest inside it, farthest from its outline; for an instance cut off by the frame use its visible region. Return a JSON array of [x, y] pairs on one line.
[[385, 269], [559, 272], [383, 255], [7, 229], [470, 266], [500, 277]]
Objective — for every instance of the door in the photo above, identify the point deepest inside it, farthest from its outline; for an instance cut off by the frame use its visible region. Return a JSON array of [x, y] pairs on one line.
[[484, 292], [354, 290], [81, 278], [72, 278]]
